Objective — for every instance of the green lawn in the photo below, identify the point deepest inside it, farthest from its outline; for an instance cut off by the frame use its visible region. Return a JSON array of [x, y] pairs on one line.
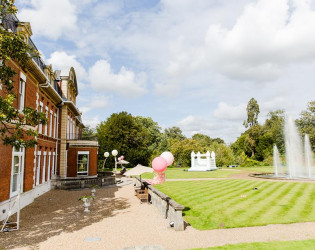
[[175, 173], [179, 173], [264, 169], [219, 203], [274, 245]]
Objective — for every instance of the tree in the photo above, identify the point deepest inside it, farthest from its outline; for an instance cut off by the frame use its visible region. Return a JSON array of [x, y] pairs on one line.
[[16, 129], [206, 140], [121, 132], [153, 129], [252, 113], [88, 133], [174, 133], [306, 123]]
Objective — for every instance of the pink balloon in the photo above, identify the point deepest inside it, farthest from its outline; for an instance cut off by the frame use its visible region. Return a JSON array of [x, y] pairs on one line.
[[168, 157], [121, 157], [159, 164]]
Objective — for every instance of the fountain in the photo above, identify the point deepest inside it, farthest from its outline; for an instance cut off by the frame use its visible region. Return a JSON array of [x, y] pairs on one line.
[[299, 159]]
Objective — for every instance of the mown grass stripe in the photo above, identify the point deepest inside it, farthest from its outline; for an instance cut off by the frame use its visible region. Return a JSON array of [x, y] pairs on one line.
[[216, 204], [252, 195], [233, 194], [201, 191], [220, 197], [214, 193], [254, 215], [292, 213], [309, 207], [277, 204]]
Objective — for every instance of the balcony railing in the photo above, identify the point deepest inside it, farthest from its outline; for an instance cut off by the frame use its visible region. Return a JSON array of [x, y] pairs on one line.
[[81, 137]]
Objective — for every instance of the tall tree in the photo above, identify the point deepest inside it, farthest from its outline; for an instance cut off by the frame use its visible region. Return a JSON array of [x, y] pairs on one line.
[[16, 129], [174, 133], [153, 129], [306, 122], [88, 133], [121, 132], [252, 113]]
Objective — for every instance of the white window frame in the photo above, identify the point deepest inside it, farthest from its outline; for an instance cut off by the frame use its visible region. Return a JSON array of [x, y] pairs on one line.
[[39, 153], [88, 163], [46, 126], [22, 92], [53, 170], [20, 174], [49, 170], [55, 124], [44, 167], [73, 129], [68, 127], [51, 123], [40, 128]]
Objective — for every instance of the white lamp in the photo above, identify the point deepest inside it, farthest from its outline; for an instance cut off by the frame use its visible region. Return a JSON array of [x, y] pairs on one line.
[[115, 153], [106, 154]]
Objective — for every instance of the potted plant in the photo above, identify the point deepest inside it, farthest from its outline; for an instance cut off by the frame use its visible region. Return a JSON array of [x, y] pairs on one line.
[[87, 202], [93, 189]]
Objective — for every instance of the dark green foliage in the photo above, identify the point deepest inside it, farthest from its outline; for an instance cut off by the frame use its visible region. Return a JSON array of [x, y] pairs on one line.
[[129, 138], [15, 127], [174, 133], [88, 133], [306, 123], [252, 113]]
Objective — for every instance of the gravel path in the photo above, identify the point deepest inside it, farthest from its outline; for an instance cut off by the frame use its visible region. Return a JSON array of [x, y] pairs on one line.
[[118, 220]]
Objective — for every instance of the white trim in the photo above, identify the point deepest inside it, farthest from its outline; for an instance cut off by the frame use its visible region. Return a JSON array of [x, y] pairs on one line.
[[88, 162], [44, 167], [68, 127], [22, 76], [40, 128], [55, 124], [53, 170], [49, 170], [39, 153], [83, 152], [20, 175], [21, 96], [51, 122], [46, 126]]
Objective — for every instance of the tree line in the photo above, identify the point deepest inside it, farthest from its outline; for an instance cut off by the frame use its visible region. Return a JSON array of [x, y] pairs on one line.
[[140, 139]]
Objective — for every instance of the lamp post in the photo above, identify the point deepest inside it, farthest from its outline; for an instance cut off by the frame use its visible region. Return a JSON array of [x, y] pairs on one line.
[[106, 154], [115, 153]]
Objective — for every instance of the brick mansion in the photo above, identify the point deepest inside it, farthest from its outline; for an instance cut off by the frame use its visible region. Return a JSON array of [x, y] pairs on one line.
[[60, 152]]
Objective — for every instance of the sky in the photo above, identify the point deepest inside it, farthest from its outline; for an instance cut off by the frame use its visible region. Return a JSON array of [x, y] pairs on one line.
[[194, 64]]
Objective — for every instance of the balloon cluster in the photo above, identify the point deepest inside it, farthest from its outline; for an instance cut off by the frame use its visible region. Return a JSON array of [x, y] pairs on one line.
[[120, 158], [159, 165]]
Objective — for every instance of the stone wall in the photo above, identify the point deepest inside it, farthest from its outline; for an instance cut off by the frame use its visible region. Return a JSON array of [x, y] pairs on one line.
[[167, 207]]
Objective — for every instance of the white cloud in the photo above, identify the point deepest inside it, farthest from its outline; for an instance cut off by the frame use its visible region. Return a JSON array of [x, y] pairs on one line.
[[50, 18], [91, 121], [191, 125], [225, 111], [97, 102], [125, 82], [266, 37], [60, 60]]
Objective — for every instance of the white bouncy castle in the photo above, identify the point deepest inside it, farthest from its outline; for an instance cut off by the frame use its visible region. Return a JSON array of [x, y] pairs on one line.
[[202, 162]]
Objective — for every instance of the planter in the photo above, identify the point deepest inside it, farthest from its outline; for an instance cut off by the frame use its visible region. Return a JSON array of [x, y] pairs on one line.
[[93, 191], [86, 204]]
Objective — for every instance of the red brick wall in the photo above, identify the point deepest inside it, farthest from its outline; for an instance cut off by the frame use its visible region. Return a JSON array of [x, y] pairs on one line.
[[28, 169], [72, 159], [5, 171]]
